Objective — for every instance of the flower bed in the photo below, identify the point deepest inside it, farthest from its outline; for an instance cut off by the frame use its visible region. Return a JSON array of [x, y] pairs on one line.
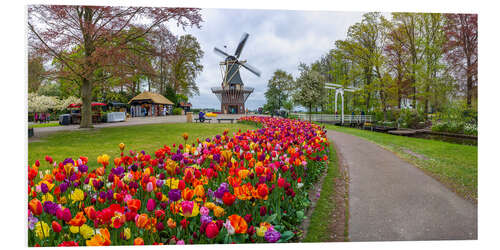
[[249, 187]]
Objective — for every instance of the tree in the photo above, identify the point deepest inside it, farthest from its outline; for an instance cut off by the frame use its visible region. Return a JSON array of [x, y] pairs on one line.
[[310, 88], [49, 89], [185, 65], [396, 60], [431, 71], [36, 72], [102, 35], [278, 89], [364, 46], [461, 50]]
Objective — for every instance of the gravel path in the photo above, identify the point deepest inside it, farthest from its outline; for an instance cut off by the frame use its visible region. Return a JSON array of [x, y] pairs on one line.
[[390, 199]]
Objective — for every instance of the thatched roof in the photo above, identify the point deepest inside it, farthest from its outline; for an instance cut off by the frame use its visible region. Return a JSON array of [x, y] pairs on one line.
[[153, 97]]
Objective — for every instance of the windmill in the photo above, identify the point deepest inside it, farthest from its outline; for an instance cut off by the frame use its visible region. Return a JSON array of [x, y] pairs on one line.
[[233, 94]]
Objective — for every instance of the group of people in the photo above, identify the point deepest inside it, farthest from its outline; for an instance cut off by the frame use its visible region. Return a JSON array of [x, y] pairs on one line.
[[42, 117]]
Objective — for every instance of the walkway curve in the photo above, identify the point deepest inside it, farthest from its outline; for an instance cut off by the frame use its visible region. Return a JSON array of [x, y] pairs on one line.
[[390, 199]]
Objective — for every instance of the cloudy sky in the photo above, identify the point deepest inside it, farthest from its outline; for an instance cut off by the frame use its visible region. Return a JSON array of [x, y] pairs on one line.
[[279, 39]]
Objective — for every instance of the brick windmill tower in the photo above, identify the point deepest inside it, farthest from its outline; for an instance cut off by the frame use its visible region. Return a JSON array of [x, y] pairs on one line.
[[233, 94]]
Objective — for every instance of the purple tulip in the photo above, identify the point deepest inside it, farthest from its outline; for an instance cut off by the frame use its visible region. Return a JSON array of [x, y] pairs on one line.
[[45, 188], [83, 168], [174, 195], [272, 236]]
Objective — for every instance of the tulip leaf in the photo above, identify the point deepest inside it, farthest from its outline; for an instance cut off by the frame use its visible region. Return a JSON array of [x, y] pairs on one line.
[[240, 238], [271, 218], [285, 236], [300, 214]]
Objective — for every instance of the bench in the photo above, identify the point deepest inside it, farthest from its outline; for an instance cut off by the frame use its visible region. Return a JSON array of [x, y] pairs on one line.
[[206, 119], [226, 119]]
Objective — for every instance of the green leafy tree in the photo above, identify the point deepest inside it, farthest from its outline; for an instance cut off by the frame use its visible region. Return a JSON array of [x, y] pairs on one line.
[[278, 89], [310, 88], [185, 65], [36, 72]]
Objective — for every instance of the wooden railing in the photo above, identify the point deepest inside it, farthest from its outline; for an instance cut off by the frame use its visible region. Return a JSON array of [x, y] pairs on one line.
[[335, 118]]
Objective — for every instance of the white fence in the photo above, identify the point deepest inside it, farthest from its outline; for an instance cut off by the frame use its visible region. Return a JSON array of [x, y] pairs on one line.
[[335, 118]]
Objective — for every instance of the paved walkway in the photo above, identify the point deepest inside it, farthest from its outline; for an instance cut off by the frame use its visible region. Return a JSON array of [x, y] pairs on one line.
[[44, 131], [390, 199]]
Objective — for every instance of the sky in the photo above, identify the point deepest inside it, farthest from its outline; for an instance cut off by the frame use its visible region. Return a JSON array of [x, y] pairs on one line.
[[279, 39]]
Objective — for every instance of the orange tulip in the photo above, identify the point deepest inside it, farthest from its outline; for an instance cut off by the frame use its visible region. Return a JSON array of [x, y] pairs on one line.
[[78, 220], [187, 194], [234, 181], [101, 239], [199, 191], [185, 136], [90, 212], [35, 206], [117, 161], [239, 224], [142, 221], [171, 223], [134, 205], [138, 241], [243, 173], [100, 171]]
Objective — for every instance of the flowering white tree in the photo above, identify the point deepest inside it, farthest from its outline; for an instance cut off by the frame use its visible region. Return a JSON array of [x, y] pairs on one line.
[[41, 103], [63, 104]]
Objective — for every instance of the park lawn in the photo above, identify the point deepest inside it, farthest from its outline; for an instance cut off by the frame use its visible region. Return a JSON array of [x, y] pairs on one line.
[[92, 143], [44, 125], [454, 165], [320, 228]]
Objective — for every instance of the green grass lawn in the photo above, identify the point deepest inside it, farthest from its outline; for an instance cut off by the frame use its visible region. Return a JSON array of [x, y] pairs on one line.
[[454, 165], [320, 227], [96, 142], [44, 125]]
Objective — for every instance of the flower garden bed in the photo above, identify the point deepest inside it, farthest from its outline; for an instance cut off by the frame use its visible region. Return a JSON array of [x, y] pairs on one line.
[[250, 187]]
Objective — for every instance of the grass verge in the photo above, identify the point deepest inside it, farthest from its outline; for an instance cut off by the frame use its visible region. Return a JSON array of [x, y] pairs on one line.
[[44, 125], [452, 164], [95, 142], [320, 227]]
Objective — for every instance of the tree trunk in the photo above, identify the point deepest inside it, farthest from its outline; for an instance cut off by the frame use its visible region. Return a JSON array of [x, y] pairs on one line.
[[367, 84], [86, 109], [469, 85]]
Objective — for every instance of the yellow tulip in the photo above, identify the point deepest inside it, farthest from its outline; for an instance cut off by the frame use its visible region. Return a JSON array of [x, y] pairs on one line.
[[126, 233], [218, 211], [42, 230], [77, 195]]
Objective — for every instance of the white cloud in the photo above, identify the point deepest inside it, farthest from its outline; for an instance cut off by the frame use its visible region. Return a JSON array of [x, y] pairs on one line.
[[279, 39]]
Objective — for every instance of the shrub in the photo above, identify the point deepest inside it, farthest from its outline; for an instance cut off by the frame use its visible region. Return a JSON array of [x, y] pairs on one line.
[[177, 111], [411, 118]]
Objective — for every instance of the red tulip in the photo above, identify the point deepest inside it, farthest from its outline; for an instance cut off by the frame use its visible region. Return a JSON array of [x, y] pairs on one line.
[[211, 231], [56, 226], [228, 198]]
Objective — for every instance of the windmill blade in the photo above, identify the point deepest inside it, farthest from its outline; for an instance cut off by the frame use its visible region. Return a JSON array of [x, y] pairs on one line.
[[250, 68], [243, 40], [220, 52]]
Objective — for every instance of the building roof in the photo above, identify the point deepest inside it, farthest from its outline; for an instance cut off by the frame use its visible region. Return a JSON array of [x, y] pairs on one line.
[[183, 104], [153, 97]]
